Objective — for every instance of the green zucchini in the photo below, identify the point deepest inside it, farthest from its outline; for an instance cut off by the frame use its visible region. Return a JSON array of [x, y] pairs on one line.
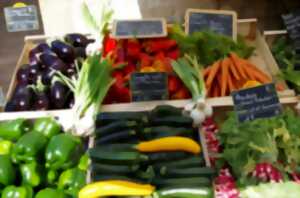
[[116, 147], [187, 172], [166, 110], [183, 182], [165, 131], [116, 157], [194, 161], [116, 137], [199, 192], [147, 175], [175, 121], [167, 156], [101, 177], [109, 117], [115, 127], [113, 169]]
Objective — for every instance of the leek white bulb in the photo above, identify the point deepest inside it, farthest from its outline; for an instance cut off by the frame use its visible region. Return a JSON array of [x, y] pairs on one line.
[[197, 116]]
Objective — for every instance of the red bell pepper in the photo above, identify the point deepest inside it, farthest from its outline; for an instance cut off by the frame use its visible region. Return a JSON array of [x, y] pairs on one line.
[[109, 44], [133, 49], [174, 84], [173, 54], [160, 44], [182, 93], [146, 60]]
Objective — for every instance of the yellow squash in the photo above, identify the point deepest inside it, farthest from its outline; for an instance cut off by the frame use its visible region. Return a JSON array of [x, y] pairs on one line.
[[170, 144], [115, 188]]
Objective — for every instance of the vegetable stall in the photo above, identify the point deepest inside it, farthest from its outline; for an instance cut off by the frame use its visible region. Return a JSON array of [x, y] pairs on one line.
[[72, 126]]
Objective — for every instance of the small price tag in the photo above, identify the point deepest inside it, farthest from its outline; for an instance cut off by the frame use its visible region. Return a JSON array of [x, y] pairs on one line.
[[21, 18], [146, 28], [149, 86], [257, 102], [222, 22]]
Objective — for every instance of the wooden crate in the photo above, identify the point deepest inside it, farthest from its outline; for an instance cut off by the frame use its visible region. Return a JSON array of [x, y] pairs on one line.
[[246, 27]]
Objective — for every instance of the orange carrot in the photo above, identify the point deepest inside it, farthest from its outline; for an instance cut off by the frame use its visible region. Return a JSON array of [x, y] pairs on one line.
[[258, 75], [216, 91], [219, 83], [230, 84], [237, 63], [258, 71], [206, 71], [233, 70], [213, 72], [225, 73]]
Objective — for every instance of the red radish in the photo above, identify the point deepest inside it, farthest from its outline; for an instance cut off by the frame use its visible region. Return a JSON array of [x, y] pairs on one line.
[[212, 142], [225, 185], [267, 173], [296, 177]]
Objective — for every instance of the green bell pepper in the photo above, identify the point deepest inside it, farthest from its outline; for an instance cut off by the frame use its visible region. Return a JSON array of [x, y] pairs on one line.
[[7, 171], [63, 151], [51, 193], [32, 174], [13, 129], [84, 162], [47, 126], [52, 175], [72, 180], [17, 192], [5, 147], [29, 147]]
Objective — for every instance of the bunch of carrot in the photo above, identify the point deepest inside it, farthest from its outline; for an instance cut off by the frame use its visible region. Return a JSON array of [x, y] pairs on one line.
[[231, 73]]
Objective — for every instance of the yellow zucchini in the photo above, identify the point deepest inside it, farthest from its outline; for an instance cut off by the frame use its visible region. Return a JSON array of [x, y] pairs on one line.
[[115, 188], [169, 144]]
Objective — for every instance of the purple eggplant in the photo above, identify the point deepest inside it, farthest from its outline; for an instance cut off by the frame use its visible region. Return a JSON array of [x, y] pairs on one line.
[[58, 95], [80, 52], [77, 40], [41, 101], [48, 59], [47, 76], [10, 106], [34, 53], [34, 72], [63, 51], [70, 101], [22, 98], [23, 75], [59, 65]]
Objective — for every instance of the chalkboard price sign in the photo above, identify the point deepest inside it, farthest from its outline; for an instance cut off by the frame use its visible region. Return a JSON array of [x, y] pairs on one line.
[[256, 102], [21, 18], [221, 22], [149, 86], [146, 28]]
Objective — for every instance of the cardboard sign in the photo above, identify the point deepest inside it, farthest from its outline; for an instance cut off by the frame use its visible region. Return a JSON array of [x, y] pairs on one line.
[[21, 18], [146, 28], [149, 86], [221, 22], [256, 102]]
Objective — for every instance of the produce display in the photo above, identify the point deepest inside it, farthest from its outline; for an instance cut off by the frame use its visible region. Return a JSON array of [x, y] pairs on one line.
[[36, 87], [157, 147], [288, 61], [38, 160], [254, 152]]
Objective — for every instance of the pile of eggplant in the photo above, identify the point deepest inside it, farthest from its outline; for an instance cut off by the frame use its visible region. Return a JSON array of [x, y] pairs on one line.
[[37, 88]]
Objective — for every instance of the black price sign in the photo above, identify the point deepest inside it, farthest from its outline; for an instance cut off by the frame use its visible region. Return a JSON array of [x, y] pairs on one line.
[[221, 22], [21, 18], [146, 28], [149, 86], [256, 102]]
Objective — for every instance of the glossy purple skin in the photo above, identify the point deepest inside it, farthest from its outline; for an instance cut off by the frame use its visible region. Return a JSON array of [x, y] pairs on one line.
[[41, 101], [58, 95], [34, 72], [48, 59], [22, 98], [77, 40], [10, 106], [34, 53], [47, 76], [59, 65], [23, 75], [63, 51]]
